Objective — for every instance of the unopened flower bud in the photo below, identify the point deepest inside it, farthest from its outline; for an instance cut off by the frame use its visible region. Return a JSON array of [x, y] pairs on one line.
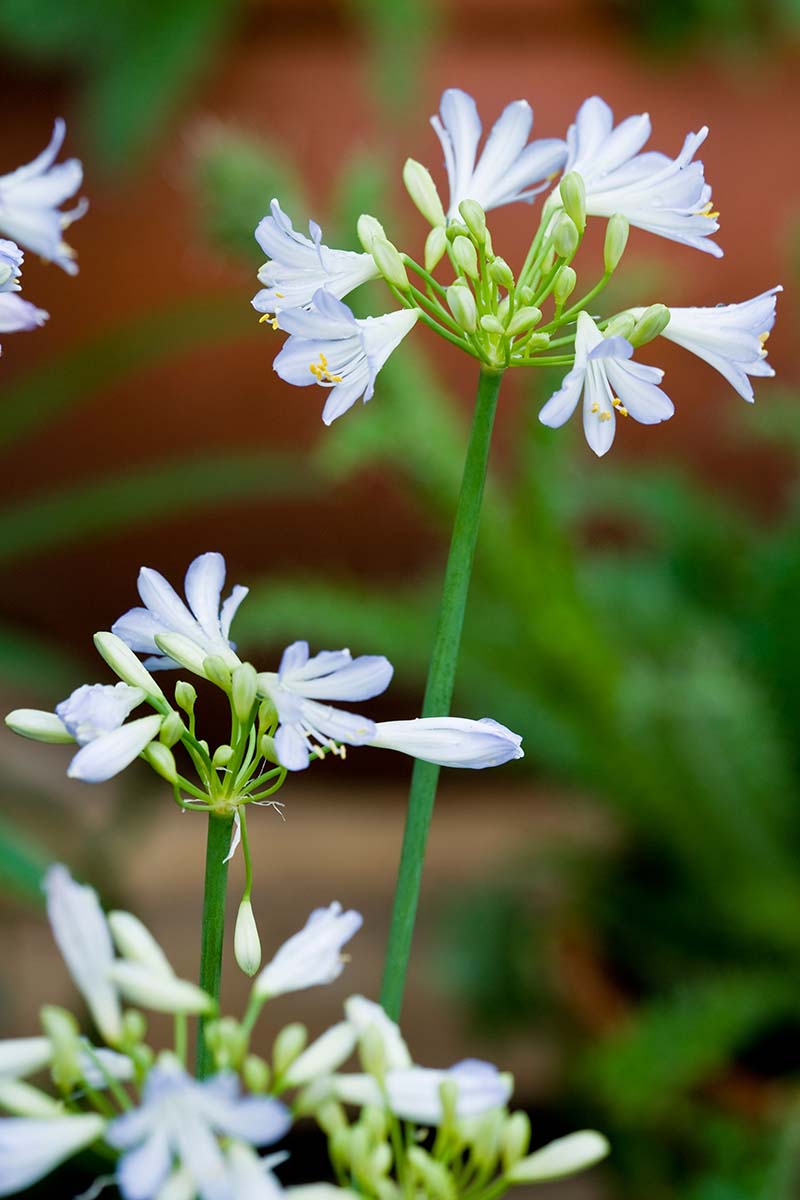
[[185, 696], [474, 219], [390, 264], [492, 324], [486, 1139], [256, 1074], [565, 1156], [162, 760], [62, 1030], [565, 236], [39, 726], [622, 325], [448, 1094], [22, 1100], [244, 683], [617, 232], [339, 1148], [515, 1139], [227, 1041], [162, 993], [376, 1121], [266, 748], [434, 1176], [463, 307], [422, 190], [323, 1056], [435, 247], [500, 272], [573, 197], [330, 1117], [217, 670], [653, 321], [288, 1045], [222, 755], [368, 229], [524, 318], [246, 942], [525, 294], [134, 1028], [126, 665], [134, 941], [372, 1051], [172, 729], [466, 256], [564, 285], [488, 247], [183, 650], [537, 341], [456, 229], [380, 1160]]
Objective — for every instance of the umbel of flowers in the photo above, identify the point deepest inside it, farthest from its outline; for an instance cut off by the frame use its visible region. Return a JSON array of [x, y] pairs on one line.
[[534, 315], [161, 1134]]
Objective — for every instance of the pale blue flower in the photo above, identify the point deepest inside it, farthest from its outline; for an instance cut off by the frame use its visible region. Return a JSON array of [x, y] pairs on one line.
[[330, 347], [311, 957], [451, 741], [610, 384], [30, 200], [300, 266], [178, 1125], [16, 314], [205, 622], [302, 682], [31, 1147], [414, 1093], [665, 196], [729, 337], [509, 166], [93, 715]]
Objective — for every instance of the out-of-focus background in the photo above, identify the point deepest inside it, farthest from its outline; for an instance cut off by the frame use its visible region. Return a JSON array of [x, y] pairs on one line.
[[616, 918]]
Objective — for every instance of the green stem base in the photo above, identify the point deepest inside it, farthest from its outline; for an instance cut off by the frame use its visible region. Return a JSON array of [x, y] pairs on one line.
[[216, 881]]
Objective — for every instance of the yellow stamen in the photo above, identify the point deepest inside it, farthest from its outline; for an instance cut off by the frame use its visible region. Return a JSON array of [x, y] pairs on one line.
[[620, 407], [595, 407], [280, 296], [273, 321], [321, 371], [708, 211], [605, 416], [763, 338]]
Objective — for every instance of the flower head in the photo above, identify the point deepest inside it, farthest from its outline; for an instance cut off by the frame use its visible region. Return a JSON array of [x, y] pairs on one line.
[[15, 313], [330, 347], [652, 191], [730, 337], [203, 623], [300, 266], [93, 715], [30, 200], [312, 956], [299, 686], [610, 384], [451, 741], [508, 167]]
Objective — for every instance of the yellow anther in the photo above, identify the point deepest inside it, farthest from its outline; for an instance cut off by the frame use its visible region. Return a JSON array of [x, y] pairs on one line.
[[708, 211], [280, 296], [605, 416], [321, 371], [763, 338], [273, 321], [620, 407], [595, 407]]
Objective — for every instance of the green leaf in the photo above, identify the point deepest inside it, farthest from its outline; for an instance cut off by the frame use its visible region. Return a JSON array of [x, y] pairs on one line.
[[22, 863]]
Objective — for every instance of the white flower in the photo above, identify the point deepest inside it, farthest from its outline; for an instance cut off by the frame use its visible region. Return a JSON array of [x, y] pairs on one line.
[[144, 975], [15, 313], [178, 1125], [93, 715], [204, 623], [330, 347], [508, 166], [83, 937], [23, 1056], [30, 198], [665, 196], [299, 686], [364, 1014], [729, 337], [31, 1148], [414, 1093], [451, 741], [610, 383], [311, 957], [300, 266], [564, 1156]]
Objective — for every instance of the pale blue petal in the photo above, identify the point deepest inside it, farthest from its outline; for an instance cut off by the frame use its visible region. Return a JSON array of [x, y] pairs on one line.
[[291, 748], [259, 1120], [142, 1171], [294, 658], [230, 607], [106, 756], [204, 581], [338, 725], [561, 405], [361, 679]]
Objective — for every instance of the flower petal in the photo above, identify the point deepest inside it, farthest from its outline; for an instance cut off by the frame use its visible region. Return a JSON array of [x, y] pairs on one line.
[[111, 753]]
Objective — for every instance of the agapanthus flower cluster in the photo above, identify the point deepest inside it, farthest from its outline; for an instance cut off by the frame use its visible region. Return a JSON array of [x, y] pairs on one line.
[[281, 721], [162, 1134], [31, 216], [527, 318]]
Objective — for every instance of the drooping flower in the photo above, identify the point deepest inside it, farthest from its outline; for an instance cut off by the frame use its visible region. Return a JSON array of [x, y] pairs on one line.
[[30, 200], [299, 686], [610, 384], [178, 1125], [665, 196], [509, 167], [203, 624], [299, 266], [31, 1148], [16, 314], [311, 957], [329, 346], [451, 741], [729, 337]]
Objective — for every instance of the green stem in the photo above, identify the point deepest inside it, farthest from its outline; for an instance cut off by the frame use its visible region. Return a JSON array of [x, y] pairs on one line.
[[217, 846], [439, 690]]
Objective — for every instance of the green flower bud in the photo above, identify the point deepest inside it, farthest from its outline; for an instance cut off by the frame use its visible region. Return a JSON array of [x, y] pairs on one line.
[[474, 219], [525, 294], [39, 726], [267, 715], [448, 1094], [266, 748], [246, 942], [390, 264], [142, 1058], [617, 232], [564, 285], [162, 760], [185, 696], [466, 256], [492, 324], [486, 1139], [172, 729], [339, 1148], [135, 941], [227, 1041], [222, 756], [500, 273], [456, 229], [376, 1122], [573, 197], [372, 1052], [653, 321], [422, 190], [331, 1118], [126, 665], [22, 1100], [434, 1176], [488, 247], [515, 1139], [523, 319], [622, 325], [504, 310], [217, 670], [435, 247], [380, 1160], [565, 236], [565, 1156], [256, 1074], [537, 341], [369, 229], [134, 1028], [288, 1045], [244, 689], [463, 307], [62, 1030], [359, 1150]]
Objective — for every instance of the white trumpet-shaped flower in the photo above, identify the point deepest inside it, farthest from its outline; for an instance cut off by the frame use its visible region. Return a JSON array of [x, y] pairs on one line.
[[509, 167], [729, 337], [330, 347], [311, 957], [302, 683], [16, 314], [94, 716], [178, 1126], [610, 384], [666, 196], [31, 1148], [451, 741], [204, 624], [31, 199], [299, 266], [414, 1093]]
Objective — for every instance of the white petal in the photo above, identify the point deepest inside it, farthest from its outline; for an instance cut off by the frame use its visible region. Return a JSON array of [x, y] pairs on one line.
[[204, 581], [31, 1148], [323, 1056], [565, 1156], [291, 748], [23, 1056], [561, 405], [135, 941], [364, 1014], [153, 989], [142, 1171], [361, 679], [39, 726], [109, 754], [313, 955]]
